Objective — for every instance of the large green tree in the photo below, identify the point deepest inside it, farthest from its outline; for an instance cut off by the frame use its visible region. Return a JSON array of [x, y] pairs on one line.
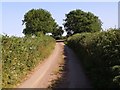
[[38, 20], [78, 21], [57, 33]]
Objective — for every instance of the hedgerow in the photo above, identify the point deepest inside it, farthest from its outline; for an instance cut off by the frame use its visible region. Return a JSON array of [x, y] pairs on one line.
[[22, 54], [100, 54], [0, 62]]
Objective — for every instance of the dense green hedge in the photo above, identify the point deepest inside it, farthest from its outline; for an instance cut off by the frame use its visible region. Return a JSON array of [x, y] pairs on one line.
[[100, 55], [21, 55], [0, 62]]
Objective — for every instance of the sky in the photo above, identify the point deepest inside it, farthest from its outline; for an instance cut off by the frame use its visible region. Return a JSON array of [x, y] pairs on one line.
[[60, 0], [1, 18], [119, 15], [13, 13]]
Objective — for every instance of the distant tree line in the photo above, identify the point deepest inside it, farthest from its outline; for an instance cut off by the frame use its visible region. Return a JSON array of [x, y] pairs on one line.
[[76, 21]]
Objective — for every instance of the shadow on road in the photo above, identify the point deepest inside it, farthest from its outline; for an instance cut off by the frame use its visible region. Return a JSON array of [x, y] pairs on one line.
[[73, 75]]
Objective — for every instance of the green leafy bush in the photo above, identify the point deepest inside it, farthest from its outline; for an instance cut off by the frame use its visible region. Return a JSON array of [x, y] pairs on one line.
[[21, 55], [100, 55], [0, 62]]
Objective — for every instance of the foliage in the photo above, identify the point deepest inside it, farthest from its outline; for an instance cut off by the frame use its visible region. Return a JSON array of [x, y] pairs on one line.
[[78, 21], [38, 20], [100, 55], [57, 34], [0, 62], [21, 55]]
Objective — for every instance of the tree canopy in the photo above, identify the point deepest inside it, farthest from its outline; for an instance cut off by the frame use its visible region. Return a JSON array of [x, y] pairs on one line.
[[57, 33], [38, 20], [78, 21]]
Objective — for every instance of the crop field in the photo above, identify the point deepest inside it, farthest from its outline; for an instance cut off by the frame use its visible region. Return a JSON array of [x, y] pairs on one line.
[[100, 54]]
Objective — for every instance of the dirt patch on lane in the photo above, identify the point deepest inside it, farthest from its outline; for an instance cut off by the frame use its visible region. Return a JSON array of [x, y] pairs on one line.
[[73, 75], [41, 76]]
